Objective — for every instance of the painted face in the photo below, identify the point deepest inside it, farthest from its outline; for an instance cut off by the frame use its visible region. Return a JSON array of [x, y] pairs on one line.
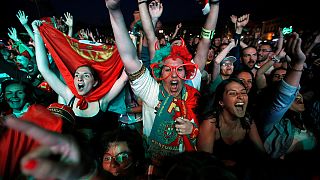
[[235, 99], [279, 75], [246, 78], [15, 96], [226, 68], [263, 52], [249, 57], [117, 159], [84, 80], [173, 84]]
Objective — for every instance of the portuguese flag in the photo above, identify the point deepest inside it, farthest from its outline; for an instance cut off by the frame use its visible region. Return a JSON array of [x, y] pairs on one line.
[[68, 54]]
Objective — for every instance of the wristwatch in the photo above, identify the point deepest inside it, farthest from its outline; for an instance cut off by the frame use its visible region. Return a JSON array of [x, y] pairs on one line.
[[275, 59]]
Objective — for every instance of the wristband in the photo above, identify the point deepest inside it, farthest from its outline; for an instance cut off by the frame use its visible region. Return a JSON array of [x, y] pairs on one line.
[[214, 2], [141, 2], [207, 34], [275, 59]]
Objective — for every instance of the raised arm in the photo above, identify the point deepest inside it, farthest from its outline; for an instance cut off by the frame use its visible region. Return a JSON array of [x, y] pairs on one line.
[[239, 24], [149, 16], [207, 35], [280, 42], [43, 65], [298, 58], [178, 26], [225, 51], [261, 80], [68, 22], [24, 21], [13, 35], [124, 44], [288, 87], [115, 90]]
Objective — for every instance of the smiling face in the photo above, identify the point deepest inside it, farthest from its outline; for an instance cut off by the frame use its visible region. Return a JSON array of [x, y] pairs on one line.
[[173, 84], [235, 99], [117, 159], [84, 80], [15, 96]]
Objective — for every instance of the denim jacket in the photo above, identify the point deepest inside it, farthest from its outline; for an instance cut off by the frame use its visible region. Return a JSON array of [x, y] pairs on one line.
[[278, 132]]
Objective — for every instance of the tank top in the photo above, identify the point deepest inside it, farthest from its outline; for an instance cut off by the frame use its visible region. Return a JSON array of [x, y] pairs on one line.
[[235, 151], [102, 121]]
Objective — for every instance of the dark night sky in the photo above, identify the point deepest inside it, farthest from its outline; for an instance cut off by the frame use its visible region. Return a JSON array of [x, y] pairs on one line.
[[94, 13]]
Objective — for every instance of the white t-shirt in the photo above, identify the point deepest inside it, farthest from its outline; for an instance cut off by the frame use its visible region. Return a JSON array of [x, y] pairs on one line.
[[147, 88]]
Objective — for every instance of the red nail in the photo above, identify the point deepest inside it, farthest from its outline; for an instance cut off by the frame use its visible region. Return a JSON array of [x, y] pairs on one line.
[[31, 164]]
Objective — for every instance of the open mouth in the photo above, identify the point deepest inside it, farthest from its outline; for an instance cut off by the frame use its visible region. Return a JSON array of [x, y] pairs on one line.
[[80, 86], [239, 106], [174, 84], [30, 68]]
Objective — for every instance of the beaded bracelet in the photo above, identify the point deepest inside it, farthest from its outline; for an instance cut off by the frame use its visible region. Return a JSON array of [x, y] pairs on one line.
[[207, 34], [137, 74]]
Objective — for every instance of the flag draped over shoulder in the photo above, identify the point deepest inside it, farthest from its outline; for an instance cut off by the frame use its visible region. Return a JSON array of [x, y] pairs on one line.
[[68, 54]]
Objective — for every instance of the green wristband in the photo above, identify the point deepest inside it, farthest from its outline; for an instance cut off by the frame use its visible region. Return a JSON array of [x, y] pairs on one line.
[[207, 34]]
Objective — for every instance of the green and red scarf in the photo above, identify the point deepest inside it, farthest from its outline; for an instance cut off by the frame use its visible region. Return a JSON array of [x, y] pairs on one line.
[[164, 139]]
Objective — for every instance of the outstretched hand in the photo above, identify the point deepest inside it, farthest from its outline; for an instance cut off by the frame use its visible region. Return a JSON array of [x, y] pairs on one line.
[[112, 4], [178, 26], [22, 17], [155, 9], [69, 19], [13, 34], [293, 49], [39, 162]]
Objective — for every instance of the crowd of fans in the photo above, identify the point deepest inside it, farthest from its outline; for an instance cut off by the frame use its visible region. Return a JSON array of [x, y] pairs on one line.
[[142, 104]]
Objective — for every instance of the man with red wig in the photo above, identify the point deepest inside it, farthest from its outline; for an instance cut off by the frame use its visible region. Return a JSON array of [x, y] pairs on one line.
[[170, 123]]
